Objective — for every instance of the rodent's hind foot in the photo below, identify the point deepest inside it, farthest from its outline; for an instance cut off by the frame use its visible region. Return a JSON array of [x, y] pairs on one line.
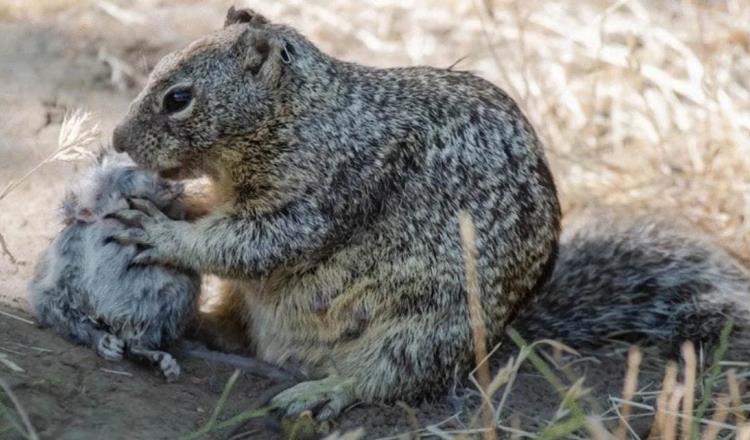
[[110, 347], [169, 367], [165, 361], [326, 397]]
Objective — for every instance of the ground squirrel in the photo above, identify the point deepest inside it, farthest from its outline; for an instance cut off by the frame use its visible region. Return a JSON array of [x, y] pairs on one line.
[[84, 286], [342, 184]]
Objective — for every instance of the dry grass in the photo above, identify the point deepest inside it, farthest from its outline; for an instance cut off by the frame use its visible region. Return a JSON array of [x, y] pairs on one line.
[[77, 135], [675, 415], [25, 429]]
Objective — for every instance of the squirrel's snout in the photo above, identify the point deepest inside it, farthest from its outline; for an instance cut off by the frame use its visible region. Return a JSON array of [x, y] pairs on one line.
[[119, 139]]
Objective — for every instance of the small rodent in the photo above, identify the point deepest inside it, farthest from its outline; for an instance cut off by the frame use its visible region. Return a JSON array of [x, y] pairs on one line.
[[85, 287], [337, 233]]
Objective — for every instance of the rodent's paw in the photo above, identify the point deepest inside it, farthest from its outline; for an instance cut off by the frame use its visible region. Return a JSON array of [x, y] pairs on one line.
[[151, 229], [110, 347], [328, 396], [169, 367]]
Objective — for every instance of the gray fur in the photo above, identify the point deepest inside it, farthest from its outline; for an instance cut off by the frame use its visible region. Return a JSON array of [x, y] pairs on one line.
[[85, 287], [337, 232], [639, 279]]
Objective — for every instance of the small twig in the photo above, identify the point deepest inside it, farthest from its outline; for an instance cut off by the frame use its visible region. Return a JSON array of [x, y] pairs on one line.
[[34, 347], [258, 404], [120, 373], [9, 350], [209, 426], [712, 377], [677, 413], [670, 422], [12, 422], [667, 386], [720, 415], [577, 415], [5, 360], [744, 432], [631, 382], [6, 251], [458, 61], [30, 431], [479, 331], [734, 393], [10, 315], [688, 355], [596, 428], [250, 365]]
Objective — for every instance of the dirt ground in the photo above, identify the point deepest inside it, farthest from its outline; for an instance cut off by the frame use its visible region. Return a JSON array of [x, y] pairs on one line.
[[60, 55]]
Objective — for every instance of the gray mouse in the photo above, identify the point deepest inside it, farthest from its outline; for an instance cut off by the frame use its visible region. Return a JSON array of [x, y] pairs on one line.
[[85, 287]]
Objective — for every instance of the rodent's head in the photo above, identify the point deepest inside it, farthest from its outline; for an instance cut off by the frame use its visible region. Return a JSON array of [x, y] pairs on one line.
[[220, 90], [105, 188]]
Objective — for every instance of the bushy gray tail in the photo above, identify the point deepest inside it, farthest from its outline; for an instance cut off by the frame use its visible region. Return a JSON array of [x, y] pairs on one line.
[[641, 281]]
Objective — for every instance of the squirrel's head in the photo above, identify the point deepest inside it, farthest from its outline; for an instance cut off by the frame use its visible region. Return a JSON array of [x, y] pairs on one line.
[[214, 96]]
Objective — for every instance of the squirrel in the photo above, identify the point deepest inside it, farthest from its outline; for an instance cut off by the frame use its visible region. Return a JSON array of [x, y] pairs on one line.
[[84, 286], [337, 230]]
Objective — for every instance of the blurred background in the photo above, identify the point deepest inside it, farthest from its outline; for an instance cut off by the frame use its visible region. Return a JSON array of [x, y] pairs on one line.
[[642, 103]]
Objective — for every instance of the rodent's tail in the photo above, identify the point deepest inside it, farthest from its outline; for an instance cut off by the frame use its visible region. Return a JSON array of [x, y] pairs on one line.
[[643, 281]]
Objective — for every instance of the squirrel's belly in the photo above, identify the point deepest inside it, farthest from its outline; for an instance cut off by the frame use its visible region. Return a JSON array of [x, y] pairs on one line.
[[304, 320]]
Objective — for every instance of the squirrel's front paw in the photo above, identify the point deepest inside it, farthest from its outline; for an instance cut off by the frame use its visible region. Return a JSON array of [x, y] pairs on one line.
[[152, 230], [328, 397]]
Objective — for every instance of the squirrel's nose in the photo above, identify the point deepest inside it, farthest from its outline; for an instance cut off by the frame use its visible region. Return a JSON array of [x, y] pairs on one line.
[[119, 139]]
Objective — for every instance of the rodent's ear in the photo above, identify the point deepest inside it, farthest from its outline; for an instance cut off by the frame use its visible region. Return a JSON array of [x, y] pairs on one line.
[[73, 211], [265, 54], [235, 16]]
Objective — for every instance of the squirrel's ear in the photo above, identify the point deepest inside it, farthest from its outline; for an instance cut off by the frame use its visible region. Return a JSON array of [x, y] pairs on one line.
[[265, 54], [235, 16]]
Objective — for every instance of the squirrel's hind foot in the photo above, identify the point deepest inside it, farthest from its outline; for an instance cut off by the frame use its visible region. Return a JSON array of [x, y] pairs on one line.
[[326, 397]]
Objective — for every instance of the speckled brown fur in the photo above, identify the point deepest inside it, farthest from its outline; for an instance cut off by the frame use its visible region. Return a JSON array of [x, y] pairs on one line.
[[343, 183]]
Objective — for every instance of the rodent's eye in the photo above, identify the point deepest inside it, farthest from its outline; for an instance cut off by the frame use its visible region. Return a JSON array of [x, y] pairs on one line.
[[177, 99]]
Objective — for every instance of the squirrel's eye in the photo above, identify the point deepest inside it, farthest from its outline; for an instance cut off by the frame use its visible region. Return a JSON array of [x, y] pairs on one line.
[[177, 99]]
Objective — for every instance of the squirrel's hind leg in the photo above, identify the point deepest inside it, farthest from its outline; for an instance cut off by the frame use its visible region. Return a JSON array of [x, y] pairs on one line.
[[393, 359]]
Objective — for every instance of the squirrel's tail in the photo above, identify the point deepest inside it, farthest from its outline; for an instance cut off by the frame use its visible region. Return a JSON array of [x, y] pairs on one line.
[[642, 281]]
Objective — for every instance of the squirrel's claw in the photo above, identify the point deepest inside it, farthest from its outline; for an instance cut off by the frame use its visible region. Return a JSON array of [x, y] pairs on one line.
[[146, 257], [130, 217], [131, 236], [330, 395], [147, 207]]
